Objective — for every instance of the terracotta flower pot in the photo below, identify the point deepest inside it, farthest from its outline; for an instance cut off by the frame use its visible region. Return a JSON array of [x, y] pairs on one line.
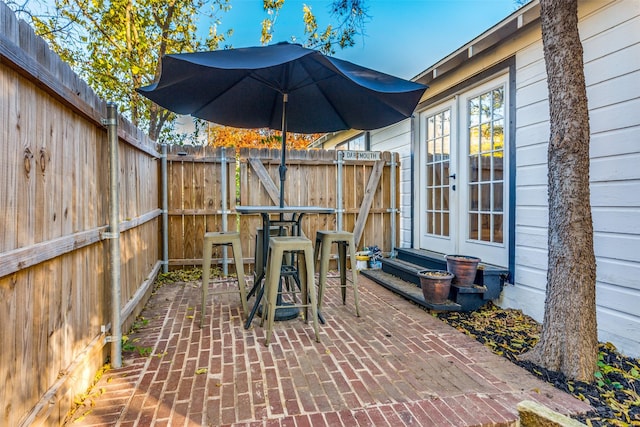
[[464, 268], [435, 285]]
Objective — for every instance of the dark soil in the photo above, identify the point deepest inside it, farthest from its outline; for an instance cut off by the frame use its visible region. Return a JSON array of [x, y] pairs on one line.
[[615, 391]]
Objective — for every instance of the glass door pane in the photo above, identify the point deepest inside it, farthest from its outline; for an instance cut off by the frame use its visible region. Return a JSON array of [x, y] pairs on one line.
[[437, 143], [485, 166]]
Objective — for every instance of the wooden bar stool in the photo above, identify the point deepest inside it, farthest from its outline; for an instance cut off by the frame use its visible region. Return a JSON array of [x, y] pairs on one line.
[[279, 247], [344, 239], [226, 238]]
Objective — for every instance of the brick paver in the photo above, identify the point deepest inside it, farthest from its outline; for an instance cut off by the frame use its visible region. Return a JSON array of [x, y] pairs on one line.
[[394, 366]]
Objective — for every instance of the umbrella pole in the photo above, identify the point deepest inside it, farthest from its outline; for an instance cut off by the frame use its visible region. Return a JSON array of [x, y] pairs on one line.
[[283, 166]]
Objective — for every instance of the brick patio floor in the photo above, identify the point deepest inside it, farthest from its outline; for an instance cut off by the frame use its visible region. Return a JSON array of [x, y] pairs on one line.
[[395, 366]]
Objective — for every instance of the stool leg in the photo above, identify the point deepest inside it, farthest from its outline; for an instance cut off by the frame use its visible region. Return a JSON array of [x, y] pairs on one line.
[[258, 258], [274, 265], [265, 294], [301, 266], [310, 285], [206, 267], [316, 251], [354, 277], [316, 261], [242, 284], [342, 257], [325, 254]]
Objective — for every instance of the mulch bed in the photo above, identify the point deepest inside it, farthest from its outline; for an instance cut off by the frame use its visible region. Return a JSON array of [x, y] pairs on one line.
[[615, 391]]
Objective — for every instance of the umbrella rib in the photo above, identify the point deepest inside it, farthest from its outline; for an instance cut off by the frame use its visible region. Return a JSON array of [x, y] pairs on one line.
[[250, 75], [333, 106], [226, 90], [307, 81]]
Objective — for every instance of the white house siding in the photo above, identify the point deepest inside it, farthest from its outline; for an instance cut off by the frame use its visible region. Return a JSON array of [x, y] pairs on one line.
[[611, 40], [397, 138]]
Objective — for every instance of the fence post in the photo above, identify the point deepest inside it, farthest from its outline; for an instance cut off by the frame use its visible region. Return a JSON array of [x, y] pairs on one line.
[[114, 234], [393, 209], [224, 197], [339, 207], [165, 211]]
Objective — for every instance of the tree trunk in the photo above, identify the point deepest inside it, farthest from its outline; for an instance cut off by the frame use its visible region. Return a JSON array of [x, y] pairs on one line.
[[569, 341]]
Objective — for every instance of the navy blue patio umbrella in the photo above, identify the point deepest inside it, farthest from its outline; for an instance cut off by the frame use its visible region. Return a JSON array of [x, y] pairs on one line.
[[283, 87]]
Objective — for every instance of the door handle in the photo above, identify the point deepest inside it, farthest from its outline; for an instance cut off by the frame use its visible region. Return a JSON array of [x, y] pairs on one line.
[[452, 176]]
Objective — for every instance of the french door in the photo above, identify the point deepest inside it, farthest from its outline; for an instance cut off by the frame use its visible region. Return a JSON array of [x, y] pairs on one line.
[[463, 185], [438, 199]]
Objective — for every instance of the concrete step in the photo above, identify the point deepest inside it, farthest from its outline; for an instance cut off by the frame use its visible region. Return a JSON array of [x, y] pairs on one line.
[[424, 258], [488, 275], [408, 290], [402, 269], [401, 276]]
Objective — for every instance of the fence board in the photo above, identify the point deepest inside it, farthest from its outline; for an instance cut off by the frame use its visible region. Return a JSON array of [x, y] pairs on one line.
[[195, 205], [174, 184], [25, 182], [198, 203], [210, 203], [40, 325], [12, 153], [187, 203], [23, 383], [8, 341]]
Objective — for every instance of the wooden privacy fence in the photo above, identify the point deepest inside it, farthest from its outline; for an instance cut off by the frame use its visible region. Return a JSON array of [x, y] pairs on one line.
[[360, 186], [55, 298]]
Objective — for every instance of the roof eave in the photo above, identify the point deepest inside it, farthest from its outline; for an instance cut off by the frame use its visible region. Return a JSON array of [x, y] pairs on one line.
[[525, 15]]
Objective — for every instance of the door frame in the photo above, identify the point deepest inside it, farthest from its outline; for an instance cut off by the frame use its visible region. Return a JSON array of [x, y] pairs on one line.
[[437, 243], [493, 253], [504, 70]]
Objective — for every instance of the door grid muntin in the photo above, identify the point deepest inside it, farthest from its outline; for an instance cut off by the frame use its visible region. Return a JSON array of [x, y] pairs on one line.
[[485, 163], [438, 171]]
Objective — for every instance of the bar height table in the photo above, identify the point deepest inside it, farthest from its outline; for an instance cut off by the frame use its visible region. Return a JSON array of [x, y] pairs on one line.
[[296, 214]]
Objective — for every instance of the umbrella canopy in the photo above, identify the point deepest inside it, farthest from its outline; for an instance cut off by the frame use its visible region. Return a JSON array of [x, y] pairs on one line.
[[282, 87]]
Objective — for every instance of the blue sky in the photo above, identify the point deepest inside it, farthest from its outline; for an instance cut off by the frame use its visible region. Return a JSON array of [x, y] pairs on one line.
[[402, 37]]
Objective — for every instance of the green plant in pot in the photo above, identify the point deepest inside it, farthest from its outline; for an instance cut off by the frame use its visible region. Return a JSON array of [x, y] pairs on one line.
[[463, 267], [435, 285]]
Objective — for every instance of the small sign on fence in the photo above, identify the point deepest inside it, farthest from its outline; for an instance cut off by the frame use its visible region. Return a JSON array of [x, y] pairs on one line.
[[361, 155]]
